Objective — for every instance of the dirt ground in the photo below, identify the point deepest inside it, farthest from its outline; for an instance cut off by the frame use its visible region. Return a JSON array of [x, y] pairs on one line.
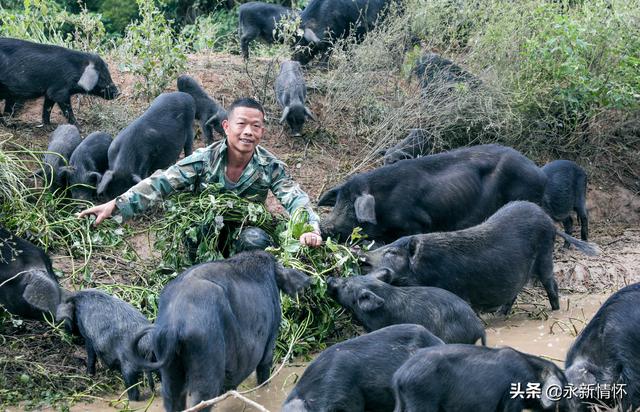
[[318, 163]]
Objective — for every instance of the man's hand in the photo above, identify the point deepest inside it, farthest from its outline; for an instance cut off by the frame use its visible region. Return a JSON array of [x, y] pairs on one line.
[[312, 239], [101, 212]]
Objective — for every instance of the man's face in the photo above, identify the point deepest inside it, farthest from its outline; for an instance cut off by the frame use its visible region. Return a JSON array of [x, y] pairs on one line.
[[244, 128]]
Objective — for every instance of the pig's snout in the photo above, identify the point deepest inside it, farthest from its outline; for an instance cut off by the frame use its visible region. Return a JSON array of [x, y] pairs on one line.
[[332, 285]]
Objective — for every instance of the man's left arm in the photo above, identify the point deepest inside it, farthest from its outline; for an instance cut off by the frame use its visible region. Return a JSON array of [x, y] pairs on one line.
[[291, 196]]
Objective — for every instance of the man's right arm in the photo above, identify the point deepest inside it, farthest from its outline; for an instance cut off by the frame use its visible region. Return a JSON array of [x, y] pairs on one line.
[[153, 189]]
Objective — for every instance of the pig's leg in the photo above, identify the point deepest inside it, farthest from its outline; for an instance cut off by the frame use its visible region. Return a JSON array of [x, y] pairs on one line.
[[188, 144], [131, 377], [91, 357], [544, 268], [584, 221], [263, 370], [46, 110], [568, 229], [173, 387], [65, 106]]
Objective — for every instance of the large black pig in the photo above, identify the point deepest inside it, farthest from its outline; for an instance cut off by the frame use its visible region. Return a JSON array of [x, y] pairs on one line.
[[30, 70], [326, 20], [153, 141], [355, 375], [87, 165], [28, 286], [607, 351], [107, 325], [217, 323], [467, 378], [376, 304], [441, 192], [486, 265], [208, 112]]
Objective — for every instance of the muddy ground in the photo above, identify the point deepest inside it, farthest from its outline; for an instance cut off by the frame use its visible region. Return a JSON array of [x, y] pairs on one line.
[[585, 282]]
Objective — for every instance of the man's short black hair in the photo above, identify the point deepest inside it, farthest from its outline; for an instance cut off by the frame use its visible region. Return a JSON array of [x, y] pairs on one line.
[[246, 102]]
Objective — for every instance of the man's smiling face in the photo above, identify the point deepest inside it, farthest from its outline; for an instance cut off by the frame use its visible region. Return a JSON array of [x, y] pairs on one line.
[[244, 128]]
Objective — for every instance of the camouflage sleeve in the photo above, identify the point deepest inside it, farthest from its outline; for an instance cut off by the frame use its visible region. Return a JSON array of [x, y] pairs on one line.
[[155, 188], [289, 193]]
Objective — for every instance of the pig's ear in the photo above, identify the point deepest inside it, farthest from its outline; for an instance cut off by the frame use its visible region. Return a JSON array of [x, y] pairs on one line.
[[89, 78], [285, 112], [291, 281], [384, 275], [414, 247], [65, 313], [104, 182], [65, 173], [369, 301], [213, 119], [550, 381], [94, 178], [365, 205], [41, 292], [329, 197], [136, 178], [310, 36]]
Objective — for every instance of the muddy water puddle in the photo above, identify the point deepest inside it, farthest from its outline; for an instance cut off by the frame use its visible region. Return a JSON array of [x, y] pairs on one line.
[[549, 338]]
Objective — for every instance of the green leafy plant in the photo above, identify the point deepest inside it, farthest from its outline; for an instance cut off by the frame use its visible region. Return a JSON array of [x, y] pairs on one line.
[[152, 51]]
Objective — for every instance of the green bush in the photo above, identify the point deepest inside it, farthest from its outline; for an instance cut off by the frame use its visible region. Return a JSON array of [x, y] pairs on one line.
[[44, 21], [216, 31], [152, 51]]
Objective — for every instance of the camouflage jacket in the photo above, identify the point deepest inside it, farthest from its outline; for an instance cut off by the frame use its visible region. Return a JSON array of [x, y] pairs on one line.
[[207, 166]]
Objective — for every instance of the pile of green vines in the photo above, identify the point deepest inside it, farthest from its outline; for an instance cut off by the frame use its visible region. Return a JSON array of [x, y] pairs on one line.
[[198, 228]]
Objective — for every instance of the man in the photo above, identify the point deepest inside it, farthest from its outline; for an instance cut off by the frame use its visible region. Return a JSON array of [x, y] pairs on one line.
[[236, 162]]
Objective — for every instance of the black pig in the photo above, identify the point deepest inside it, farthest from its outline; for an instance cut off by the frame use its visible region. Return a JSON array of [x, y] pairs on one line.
[[376, 304], [259, 20], [28, 286], [467, 378], [87, 165], [565, 192], [326, 20], [62, 143], [417, 143], [208, 112], [291, 92], [107, 325], [153, 141], [217, 322], [441, 192], [486, 265], [355, 375], [30, 70], [607, 351]]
